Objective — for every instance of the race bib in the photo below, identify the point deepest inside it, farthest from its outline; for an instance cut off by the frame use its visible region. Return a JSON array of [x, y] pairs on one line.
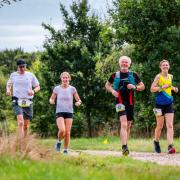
[[120, 107], [157, 112], [24, 102]]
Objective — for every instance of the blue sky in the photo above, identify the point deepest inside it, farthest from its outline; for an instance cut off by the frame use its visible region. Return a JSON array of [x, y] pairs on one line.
[[20, 22]]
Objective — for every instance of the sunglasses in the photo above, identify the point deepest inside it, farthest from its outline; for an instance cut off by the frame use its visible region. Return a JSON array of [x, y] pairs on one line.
[[21, 66]]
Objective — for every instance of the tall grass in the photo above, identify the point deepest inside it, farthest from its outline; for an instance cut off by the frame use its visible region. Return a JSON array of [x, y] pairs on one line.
[[26, 147]]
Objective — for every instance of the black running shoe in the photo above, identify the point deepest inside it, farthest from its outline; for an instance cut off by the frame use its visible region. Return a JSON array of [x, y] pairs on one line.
[[125, 150], [157, 147]]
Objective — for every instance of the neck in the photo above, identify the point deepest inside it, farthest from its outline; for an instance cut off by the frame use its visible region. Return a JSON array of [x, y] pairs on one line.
[[64, 85], [164, 73], [124, 70]]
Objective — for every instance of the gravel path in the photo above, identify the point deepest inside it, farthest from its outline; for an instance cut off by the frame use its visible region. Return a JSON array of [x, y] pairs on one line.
[[163, 158]]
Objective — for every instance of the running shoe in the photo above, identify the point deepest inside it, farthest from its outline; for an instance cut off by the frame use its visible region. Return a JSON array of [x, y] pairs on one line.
[[157, 147], [58, 146], [125, 150], [65, 151], [171, 149]]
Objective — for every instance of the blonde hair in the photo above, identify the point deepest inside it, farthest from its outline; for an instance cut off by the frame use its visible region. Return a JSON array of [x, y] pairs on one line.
[[164, 60], [125, 57], [65, 73]]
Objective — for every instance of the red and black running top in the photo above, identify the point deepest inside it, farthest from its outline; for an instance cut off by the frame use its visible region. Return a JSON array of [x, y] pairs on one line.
[[126, 95]]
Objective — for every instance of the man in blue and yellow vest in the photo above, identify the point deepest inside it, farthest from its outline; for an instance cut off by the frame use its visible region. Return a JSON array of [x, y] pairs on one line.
[[122, 84]]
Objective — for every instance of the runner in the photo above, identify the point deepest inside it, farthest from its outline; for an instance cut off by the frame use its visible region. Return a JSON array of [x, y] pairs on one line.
[[164, 106], [64, 109], [20, 85], [122, 84]]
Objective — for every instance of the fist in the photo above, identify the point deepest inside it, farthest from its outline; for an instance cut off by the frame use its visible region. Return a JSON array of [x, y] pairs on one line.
[[31, 93], [131, 86], [114, 93], [51, 101], [78, 103], [8, 93], [165, 86]]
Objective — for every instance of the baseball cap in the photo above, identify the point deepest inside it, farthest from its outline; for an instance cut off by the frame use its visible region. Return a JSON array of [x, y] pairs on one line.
[[21, 62]]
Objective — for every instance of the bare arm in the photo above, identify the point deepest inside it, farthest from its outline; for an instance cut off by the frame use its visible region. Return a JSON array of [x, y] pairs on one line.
[[35, 90], [77, 98], [52, 98], [9, 86], [154, 86], [110, 89]]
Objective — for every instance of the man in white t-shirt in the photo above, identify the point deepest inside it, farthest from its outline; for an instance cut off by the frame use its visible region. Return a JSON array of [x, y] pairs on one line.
[[22, 85]]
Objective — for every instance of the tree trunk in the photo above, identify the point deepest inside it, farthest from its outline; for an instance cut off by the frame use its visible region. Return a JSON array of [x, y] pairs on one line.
[[89, 123]]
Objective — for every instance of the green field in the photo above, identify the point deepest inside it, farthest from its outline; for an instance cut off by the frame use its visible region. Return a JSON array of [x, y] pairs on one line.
[[71, 167]]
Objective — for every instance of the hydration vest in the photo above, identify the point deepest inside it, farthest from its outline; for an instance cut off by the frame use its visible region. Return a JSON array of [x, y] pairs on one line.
[[117, 87], [117, 79]]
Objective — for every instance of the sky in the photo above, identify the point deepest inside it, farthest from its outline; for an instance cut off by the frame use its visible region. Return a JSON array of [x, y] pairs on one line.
[[21, 22]]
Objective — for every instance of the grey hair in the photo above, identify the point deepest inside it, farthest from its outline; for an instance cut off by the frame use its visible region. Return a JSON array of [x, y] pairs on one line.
[[125, 57]]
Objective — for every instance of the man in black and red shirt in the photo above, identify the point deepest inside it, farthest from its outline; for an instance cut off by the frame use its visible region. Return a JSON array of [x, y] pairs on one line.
[[122, 85]]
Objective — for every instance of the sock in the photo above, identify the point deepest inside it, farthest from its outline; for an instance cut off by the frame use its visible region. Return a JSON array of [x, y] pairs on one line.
[[124, 146]]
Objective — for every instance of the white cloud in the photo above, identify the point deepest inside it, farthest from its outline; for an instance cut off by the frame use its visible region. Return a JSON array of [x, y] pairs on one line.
[[29, 37]]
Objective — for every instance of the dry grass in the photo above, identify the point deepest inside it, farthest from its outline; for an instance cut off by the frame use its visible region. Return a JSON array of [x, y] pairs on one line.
[[26, 147]]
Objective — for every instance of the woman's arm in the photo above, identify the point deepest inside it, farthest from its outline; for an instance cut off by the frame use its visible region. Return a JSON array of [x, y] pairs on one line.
[[52, 98], [154, 86], [77, 98]]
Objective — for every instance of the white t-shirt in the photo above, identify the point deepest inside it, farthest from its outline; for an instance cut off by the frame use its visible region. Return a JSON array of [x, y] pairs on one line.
[[64, 98], [22, 84]]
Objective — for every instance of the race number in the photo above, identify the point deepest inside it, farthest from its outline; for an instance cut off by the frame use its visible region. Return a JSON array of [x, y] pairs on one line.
[[24, 102], [120, 107], [157, 112]]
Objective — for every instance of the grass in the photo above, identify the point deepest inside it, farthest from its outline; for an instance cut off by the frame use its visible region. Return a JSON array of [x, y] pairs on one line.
[[113, 143], [84, 167], [37, 160]]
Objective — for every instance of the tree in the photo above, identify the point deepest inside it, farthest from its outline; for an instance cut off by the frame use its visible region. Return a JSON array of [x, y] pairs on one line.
[[153, 27], [8, 2], [77, 48]]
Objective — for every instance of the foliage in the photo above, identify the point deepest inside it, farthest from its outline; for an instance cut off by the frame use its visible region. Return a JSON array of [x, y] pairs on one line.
[[154, 30]]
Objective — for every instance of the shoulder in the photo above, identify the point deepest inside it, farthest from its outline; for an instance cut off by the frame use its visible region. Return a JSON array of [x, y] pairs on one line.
[[57, 87], [171, 76], [14, 73], [135, 74], [72, 88], [30, 74]]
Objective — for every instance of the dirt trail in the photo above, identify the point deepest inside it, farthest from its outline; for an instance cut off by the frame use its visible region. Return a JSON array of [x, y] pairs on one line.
[[162, 159]]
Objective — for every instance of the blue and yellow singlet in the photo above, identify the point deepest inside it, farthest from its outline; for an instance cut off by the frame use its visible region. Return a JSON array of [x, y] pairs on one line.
[[164, 96]]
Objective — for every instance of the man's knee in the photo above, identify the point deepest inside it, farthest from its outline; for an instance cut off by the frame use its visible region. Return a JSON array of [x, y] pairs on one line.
[[21, 123]]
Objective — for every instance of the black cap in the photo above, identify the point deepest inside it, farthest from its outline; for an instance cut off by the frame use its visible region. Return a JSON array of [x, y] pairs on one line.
[[21, 62]]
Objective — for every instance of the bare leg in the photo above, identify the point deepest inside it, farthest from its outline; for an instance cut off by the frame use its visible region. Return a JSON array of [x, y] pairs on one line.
[[159, 126], [129, 124], [61, 128], [26, 127], [20, 121], [123, 131], [169, 124], [68, 125]]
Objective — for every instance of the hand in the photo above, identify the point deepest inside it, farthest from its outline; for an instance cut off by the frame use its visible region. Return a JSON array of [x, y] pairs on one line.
[[131, 86], [115, 93], [8, 93], [31, 93], [175, 89], [51, 101], [78, 103], [165, 86]]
